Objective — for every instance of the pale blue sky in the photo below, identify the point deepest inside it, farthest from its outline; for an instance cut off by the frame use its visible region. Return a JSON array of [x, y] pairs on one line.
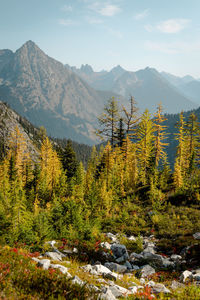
[[133, 33]]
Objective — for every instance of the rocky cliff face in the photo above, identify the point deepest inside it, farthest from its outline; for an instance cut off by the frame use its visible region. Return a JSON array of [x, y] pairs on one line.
[[9, 120]]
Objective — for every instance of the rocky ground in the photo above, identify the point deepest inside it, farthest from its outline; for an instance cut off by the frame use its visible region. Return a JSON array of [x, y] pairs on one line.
[[119, 272]]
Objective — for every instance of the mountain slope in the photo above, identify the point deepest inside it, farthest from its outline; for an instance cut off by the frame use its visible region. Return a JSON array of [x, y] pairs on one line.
[[49, 94], [9, 120], [192, 90]]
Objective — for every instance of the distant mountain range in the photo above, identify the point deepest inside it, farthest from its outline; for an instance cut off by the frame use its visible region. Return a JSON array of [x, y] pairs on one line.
[[67, 100], [148, 86]]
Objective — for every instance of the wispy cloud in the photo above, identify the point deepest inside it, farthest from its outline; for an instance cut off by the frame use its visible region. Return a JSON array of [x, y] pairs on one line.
[[67, 8], [105, 9], [67, 22], [173, 48], [173, 25], [141, 15]]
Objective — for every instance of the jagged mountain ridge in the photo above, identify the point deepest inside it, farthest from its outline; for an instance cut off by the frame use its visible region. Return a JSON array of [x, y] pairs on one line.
[[148, 86], [44, 91], [50, 94]]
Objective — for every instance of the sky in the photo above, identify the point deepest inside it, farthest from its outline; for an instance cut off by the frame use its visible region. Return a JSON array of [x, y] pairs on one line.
[[104, 33]]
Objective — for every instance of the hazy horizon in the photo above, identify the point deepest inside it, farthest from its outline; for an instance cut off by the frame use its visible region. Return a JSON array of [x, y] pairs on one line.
[[104, 34]]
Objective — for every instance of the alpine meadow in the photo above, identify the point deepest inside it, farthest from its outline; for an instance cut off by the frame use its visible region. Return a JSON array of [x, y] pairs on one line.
[[99, 165]]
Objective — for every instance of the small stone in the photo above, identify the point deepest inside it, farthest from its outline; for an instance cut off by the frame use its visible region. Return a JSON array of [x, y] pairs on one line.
[[106, 294], [186, 274], [135, 267], [111, 276], [176, 285], [112, 237], [62, 269], [119, 291], [53, 256], [134, 256], [44, 263], [151, 283], [175, 257], [77, 280], [160, 288], [133, 289], [142, 280], [147, 270], [131, 238], [196, 236], [51, 243], [105, 245], [196, 277], [128, 265], [168, 264]]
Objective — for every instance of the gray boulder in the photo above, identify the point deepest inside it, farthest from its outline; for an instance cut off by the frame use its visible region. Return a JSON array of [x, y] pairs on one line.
[[147, 270], [106, 294], [160, 288], [119, 291], [119, 251], [115, 267]]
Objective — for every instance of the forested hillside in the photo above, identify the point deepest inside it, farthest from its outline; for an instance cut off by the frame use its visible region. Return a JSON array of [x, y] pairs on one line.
[[127, 188]]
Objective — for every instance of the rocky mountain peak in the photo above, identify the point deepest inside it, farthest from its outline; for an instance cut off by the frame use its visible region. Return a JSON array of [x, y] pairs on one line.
[[118, 70], [29, 46], [87, 69]]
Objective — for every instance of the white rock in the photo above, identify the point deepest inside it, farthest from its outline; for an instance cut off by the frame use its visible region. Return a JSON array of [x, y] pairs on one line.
[[133, 289], [196, 236], [51, 243], [119, 291], [77, 280], [131, 238], [100, 269], [112, 237], [175, 257], [44, 263], [151, 283], [106, 295], [62, 269], [186, 274], [53, 256], [75, 250], [105, 245], [160, 288]]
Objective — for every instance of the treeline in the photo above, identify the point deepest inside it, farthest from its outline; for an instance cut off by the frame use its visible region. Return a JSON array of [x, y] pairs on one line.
[[57, 197]]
